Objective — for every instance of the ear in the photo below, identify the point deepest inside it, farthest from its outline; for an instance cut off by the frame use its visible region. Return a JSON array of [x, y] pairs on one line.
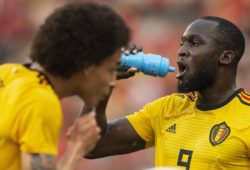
[[226, 57], [88, 70]]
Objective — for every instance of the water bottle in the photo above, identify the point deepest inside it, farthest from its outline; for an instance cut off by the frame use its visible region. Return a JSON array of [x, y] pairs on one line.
[[149, 64]]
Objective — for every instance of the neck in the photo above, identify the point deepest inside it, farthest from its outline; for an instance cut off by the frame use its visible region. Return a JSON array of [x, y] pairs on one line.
[[62, 87], [218, 92]]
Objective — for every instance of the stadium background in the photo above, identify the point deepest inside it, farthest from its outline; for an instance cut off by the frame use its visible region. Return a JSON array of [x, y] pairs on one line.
[[156, 24]]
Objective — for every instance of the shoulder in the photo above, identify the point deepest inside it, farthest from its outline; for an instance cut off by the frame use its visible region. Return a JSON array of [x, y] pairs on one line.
[[25, 99], [23, 84], [42, 98], [244, 97], [7, 70], [175, 99], [40, 105], [17, 75], [41, 95], [170, 105]]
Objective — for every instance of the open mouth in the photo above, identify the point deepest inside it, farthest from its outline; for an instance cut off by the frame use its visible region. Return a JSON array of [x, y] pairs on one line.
[[182, 70]]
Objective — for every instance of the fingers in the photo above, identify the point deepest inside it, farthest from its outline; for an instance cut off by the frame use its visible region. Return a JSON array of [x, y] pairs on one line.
[[84, 125], [83, 134], [132, 70], [126, 74], [88, 131], [87, 121], [69, 131], [131, 49]]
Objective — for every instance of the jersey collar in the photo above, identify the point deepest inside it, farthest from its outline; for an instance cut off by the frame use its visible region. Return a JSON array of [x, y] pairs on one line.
[[216, 106]]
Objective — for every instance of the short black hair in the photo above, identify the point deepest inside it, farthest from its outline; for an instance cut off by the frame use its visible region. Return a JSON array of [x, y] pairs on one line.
[[230, 37], [78, 35]]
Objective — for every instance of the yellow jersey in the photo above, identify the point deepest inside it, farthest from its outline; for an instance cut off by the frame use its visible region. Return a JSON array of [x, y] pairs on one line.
[[30, 115], [187, 135]]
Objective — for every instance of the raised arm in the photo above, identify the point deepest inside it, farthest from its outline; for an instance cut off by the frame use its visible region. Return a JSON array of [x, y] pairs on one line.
[[117, 136]]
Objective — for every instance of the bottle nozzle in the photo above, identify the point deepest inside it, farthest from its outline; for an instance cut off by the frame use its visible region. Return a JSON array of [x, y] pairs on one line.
[[171, 69]]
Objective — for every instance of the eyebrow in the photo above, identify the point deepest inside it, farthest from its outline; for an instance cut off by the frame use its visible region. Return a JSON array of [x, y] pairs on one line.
[[192, 36]]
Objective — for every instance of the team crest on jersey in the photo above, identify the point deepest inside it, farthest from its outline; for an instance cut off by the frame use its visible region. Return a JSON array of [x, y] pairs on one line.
[[219, 133]]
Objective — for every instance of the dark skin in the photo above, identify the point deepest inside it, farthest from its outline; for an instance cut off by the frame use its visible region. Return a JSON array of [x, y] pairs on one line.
[[199, 51], [197, 42]]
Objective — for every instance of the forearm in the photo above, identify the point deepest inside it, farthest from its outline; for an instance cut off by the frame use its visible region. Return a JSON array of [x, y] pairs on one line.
[[101, 117], [117, 136], [120, 138], [100, 110], [69, 160], [82, 138]]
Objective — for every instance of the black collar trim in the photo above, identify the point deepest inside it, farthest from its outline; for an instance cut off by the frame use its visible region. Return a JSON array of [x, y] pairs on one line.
[[29, 66], [205, 107]]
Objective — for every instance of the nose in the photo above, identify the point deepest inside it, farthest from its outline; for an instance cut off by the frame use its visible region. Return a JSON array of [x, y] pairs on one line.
[[182, 52], [113, 81]]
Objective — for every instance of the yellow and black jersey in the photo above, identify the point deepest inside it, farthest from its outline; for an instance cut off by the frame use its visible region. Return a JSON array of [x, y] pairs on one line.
[[30, 115], [187, 135]]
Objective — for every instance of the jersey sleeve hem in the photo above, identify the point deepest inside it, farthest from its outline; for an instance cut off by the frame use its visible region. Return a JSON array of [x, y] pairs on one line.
[[148, 144]]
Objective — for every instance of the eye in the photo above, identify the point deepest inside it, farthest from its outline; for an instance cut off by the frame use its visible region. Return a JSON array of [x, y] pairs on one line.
[[195, 43]]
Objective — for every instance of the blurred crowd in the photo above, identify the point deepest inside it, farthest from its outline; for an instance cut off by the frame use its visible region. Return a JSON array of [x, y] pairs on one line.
[[157, 25]]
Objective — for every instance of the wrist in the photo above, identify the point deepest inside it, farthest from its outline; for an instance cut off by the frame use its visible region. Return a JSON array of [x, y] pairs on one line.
[[76, 149], [70, 158]]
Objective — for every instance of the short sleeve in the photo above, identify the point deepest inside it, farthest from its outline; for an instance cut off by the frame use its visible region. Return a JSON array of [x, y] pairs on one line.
[[148, 121], [142, 123], [40, 121]]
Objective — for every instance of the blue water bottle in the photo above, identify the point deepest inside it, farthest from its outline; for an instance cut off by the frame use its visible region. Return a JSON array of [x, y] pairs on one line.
[[149, 64]]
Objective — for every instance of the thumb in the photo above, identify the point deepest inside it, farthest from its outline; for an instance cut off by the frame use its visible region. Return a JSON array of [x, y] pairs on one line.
[[69, 131]]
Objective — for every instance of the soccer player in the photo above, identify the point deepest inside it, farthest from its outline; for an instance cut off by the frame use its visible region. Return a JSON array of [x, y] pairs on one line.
[[75, 52], [206, 125]]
